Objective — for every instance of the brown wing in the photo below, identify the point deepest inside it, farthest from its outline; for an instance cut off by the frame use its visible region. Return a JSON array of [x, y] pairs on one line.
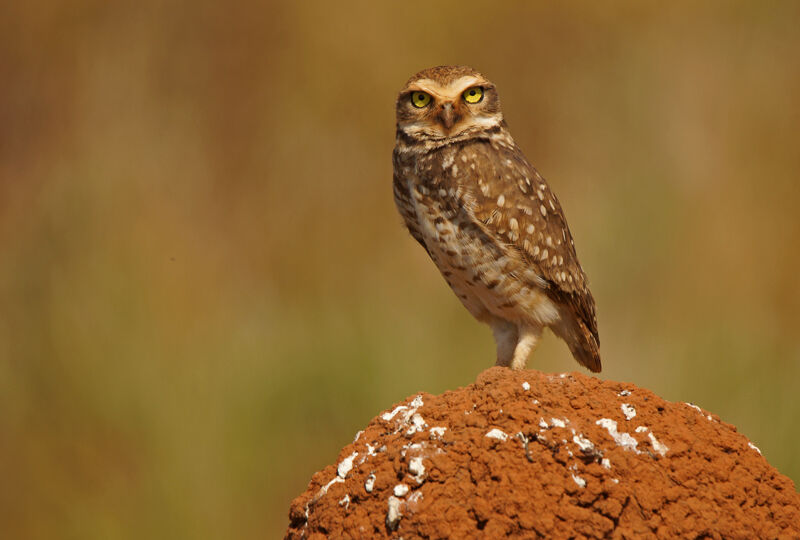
[[519, 209]]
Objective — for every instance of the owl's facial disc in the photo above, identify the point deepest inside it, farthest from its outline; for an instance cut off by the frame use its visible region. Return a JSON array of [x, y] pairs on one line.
[[431, 109]]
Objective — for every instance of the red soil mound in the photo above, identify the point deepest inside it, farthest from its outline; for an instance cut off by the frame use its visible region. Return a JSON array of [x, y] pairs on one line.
[[527, 454]]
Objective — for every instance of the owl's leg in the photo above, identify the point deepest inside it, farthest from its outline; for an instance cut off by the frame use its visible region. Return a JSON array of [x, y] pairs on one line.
[[506, 336], [528, 339]]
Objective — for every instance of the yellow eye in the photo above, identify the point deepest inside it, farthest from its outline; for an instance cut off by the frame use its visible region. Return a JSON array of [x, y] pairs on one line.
[[420, 99], [473, 95]]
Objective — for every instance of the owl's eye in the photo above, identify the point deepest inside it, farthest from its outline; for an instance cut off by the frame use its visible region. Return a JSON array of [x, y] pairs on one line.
[[473, 95], [420, 99]]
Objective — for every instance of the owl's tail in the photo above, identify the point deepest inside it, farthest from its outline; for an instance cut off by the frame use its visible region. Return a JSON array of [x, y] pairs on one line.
[[580, 341]]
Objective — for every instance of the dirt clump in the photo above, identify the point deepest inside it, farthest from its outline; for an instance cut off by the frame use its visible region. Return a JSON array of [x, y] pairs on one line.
[[528, 454]]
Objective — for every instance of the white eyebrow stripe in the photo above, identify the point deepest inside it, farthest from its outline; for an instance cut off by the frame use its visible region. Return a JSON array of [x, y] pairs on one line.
[[451, 91]]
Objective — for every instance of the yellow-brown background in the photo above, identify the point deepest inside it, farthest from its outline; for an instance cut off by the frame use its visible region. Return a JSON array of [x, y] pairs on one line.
[[205, 290]]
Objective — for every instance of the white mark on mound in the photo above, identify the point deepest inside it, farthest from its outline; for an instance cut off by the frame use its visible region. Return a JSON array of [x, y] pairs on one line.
[[359, 434], [345, 501], [400, 490], [543, 424], [406, 415], [417, 468], [369, 484], [698, 409], [322, 491], [526, 386], [393, 513], [389, 415], [624, 393], [754, 447], [558, 422], [414, 498], [497, 434], [628, 411], [346, 465], [583, 443], [605, 462], [624, 440], [578, 480], [641, 429], [417, 424], [414, 447], [658, 446], [437, 432]]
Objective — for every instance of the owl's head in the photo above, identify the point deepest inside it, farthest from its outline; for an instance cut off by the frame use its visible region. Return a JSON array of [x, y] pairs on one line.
[[446, 102]]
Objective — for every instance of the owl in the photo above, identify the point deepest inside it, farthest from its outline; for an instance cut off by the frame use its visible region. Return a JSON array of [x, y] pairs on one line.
[[487, 218]]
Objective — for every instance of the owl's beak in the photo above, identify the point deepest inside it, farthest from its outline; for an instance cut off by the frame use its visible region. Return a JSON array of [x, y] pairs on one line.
[[447, 116]]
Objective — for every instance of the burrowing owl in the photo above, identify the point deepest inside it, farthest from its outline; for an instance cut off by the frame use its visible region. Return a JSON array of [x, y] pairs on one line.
[[487, 218]]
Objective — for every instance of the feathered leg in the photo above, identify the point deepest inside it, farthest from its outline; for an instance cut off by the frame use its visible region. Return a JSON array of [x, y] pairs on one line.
[[506, 336], [528, 339]]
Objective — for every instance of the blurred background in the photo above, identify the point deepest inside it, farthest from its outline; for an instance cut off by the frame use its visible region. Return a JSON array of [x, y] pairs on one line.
[[205, 289]]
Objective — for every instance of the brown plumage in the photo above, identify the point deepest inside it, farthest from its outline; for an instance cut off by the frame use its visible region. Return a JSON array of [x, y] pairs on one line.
[[487, 218]]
